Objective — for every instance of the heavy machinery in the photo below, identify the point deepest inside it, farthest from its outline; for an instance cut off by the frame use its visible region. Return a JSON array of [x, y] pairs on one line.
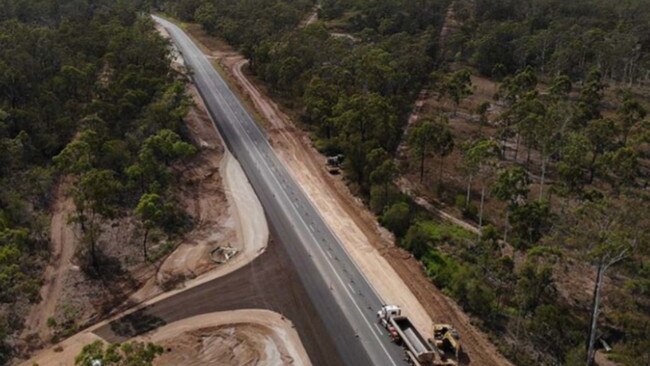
[[447, 340], [336, 160], [442, 350], [334, 164]]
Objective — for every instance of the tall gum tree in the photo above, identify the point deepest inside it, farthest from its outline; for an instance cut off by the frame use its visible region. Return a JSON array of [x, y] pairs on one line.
[[606, 233]]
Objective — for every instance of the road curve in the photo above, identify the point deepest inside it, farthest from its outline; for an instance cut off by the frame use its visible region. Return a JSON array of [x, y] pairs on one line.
[[343, 298]]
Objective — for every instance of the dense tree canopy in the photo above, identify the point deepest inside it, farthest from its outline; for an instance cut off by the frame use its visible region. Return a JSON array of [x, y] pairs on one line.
[[557, 36], [82, 85]]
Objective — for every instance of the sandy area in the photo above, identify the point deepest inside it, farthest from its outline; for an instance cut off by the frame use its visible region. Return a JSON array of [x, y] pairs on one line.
[[245, 212], [238, 222], [602, 360], [241, 337]]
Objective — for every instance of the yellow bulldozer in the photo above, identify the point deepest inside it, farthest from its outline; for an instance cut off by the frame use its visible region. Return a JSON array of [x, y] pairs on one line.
[[447, 341]]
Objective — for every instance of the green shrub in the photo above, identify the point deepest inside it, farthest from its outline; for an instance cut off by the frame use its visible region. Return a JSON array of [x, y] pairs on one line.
[[459, 201], [51, 322], [441, 268], [380, 199], [480, 299], [576, 357], [416, 241], [445, 232], [461, 282], [424, 235], [470, 212], [397, 218]]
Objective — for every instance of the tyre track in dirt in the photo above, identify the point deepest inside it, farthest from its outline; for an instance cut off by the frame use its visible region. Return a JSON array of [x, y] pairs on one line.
[[62, 239]]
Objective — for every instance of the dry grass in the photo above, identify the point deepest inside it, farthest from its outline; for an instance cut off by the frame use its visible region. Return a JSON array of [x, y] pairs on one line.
[[463, 122]]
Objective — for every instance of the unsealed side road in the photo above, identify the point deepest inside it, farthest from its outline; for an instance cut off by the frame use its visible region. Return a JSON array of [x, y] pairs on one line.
[[343, 298]]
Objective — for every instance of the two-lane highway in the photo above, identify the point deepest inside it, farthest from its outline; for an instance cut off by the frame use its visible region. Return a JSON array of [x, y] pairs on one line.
[[344, 299]]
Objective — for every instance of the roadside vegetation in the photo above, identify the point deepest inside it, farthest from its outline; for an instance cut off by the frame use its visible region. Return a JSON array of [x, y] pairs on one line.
[[533, 129], [125, 354], [86, 93]]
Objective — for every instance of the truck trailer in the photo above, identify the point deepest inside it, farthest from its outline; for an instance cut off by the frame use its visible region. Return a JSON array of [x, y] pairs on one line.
[[419, 351]]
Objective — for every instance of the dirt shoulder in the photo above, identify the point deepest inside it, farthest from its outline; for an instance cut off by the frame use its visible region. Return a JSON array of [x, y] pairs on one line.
[[345, 214], [397, 277]]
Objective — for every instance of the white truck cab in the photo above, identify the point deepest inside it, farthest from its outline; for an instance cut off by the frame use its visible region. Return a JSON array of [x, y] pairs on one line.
[[387, 311]]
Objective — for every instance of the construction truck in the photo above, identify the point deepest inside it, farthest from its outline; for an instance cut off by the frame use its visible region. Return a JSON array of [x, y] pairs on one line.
[[420, 352]]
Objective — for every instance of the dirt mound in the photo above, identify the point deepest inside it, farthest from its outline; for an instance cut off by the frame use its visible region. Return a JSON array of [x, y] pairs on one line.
[[238, 344], [241, 337]]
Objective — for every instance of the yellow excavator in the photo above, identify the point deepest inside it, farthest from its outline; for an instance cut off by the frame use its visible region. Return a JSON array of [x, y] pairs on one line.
[[447, 341]]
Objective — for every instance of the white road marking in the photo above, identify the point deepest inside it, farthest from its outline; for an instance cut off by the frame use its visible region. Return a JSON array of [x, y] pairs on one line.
[[378, 329], [211, 72]]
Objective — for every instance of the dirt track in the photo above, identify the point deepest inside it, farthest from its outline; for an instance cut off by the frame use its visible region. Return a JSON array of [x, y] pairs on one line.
[[358, 228], [63, 248], [311, 18]]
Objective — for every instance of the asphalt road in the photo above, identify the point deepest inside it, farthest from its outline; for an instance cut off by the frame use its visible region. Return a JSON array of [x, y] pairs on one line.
[[269, 282], [342, 297]]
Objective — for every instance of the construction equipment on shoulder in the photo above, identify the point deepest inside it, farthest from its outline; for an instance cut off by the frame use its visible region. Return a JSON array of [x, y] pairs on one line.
[[442, 350]]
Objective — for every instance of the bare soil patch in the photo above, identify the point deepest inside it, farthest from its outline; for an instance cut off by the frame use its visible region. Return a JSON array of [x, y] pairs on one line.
[[240, 337], [62, 249], [243, 337]]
